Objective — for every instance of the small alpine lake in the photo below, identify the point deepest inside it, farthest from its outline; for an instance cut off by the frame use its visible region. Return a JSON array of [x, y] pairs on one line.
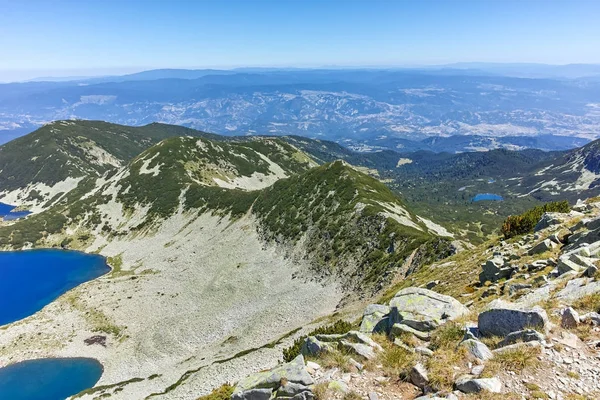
[[31, 279], [48, 378], [487, 197], [7, 213]]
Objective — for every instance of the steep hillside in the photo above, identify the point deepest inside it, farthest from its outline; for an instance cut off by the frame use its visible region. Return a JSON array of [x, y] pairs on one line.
[[573, 175], [51, 161], [221, 253]]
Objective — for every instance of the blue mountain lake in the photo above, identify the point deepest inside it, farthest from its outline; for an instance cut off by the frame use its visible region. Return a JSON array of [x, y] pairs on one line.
[[7, 213], [30, 279], [487, 196], [48, 378]]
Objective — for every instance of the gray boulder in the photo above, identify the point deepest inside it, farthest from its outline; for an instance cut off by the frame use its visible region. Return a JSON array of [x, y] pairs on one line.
[[578, 288], [418, 376], [550, 219], [495, 269], [423, 309], [517, 287], [362, 350], [569, 318], [565, 264], [399, 329], [313, 347], [293, 372], [527, 335], [591, 318], [290, 389], [591, 271], [542, 247], [470, 384], [253, 394], [477, 349], [502, 318], [375, 319]]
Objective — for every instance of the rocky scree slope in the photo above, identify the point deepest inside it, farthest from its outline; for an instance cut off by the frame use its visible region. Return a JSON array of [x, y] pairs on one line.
[[527, 326]]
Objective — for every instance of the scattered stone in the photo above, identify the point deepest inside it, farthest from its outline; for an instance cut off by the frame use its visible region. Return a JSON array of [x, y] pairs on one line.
[[550, 219], [418, 376], [430, 285], [313, 347], [399, 329], [373, 396], [470, 384], [375, 319], [253, 394], [516, 346], [495, 269], [527, 335], [290, 389], [313, 365], [96, 339], [359, 349], [477, 349], [477, 370], [569, 319], [565, 264], [542, 247], [424, 351], [591, 271], [517, 287], [591, 317], [502, 318]]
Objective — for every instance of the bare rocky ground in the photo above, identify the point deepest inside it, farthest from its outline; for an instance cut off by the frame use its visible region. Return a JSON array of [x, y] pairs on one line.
[[528, 326], [208, 289]]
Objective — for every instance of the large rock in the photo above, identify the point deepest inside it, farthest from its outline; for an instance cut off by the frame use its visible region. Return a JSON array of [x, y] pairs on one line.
[[253, 394], [569, 318], [362, 350], [423, 309], [495, 269], [542, 247], [502, 318], [418, 376], [578, 288], [470, 384], [527, 335], [550, 219], [399, 329], [375, 319], [477, 349], [565, 264], [313, 347], [294, 372]]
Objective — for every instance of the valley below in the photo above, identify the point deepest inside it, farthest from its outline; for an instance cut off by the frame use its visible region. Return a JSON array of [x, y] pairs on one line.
[[226, 252]]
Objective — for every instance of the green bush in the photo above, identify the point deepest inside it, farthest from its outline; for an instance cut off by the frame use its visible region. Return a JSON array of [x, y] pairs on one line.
[[524, 223], [223, 392], [294, 350]]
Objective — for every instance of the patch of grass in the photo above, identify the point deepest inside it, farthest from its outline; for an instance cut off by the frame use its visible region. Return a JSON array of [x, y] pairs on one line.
[[440, 367], [223, 392], [573, 374], [395, 360], [339, 327], [447, 336], [588, 303], [336, 359], [321, 391], [515, 360], [352, 395]]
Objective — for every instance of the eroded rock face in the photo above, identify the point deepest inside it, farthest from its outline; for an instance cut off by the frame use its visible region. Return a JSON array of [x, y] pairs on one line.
[[424, 310], [502, 318]]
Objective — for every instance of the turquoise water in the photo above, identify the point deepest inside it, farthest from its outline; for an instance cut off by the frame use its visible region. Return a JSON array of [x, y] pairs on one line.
[[48, 378], [7, 214], [487, 196], [31, 279]]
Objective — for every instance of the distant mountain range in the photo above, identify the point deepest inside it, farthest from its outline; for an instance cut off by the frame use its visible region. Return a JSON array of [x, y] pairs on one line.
[[453, 109]]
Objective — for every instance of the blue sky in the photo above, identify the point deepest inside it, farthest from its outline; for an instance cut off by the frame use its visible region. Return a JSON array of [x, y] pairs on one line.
[[93, 37]]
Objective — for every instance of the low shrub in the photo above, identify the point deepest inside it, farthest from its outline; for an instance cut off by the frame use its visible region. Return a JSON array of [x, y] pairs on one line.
[[223, 392], [524, 223], [338, 327]]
